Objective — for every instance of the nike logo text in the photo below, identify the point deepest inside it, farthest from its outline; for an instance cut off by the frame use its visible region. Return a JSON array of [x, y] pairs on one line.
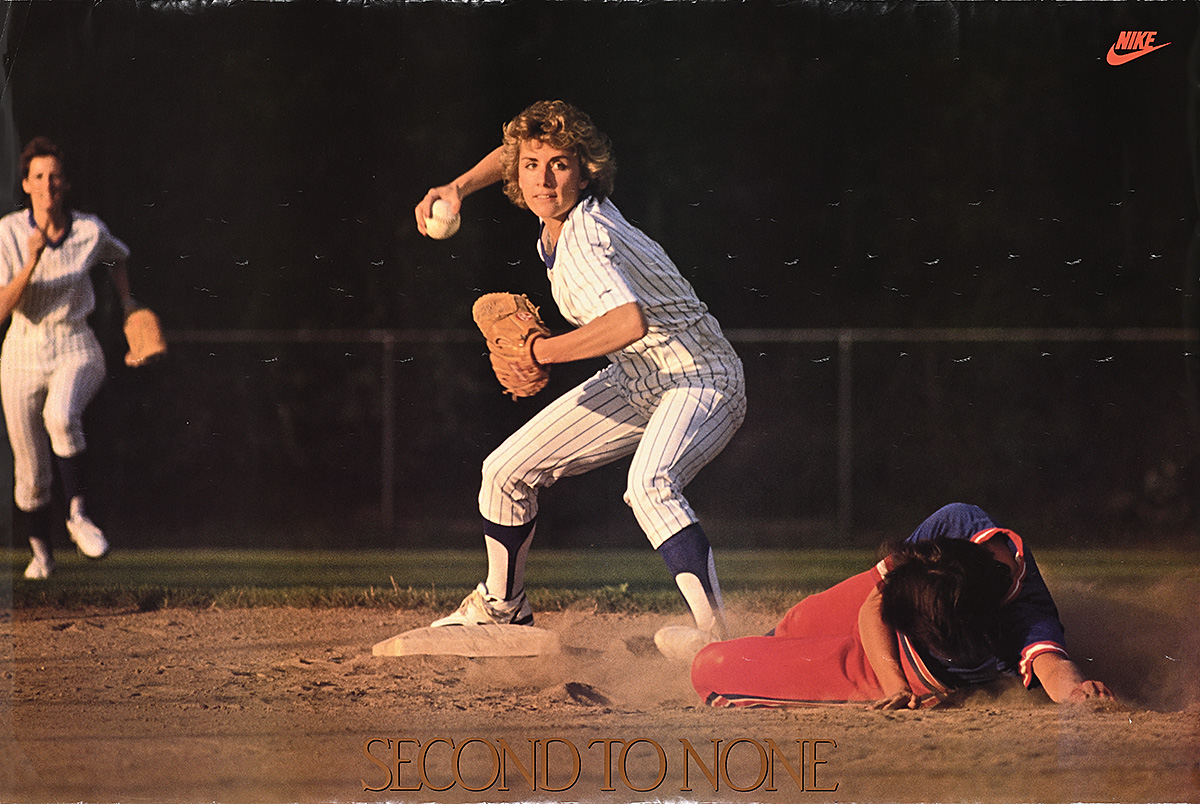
[[1133, 45]]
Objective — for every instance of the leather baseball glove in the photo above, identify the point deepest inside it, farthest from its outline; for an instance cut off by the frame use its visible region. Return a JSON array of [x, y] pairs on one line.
[[145, 337], [511, 324]]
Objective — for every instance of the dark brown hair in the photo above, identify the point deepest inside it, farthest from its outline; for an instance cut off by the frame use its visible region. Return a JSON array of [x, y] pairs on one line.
[[945, 594], [40, 146]]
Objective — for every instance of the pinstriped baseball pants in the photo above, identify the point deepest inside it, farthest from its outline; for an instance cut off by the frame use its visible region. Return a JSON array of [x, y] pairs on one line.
[[671, 434], [48, 375]]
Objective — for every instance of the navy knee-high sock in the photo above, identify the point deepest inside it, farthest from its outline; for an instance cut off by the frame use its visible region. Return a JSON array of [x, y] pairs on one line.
[[72, 474], [35, 526], [507, 549], [688, 555]]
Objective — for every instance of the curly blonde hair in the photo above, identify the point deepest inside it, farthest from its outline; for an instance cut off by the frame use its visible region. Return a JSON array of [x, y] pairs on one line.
[[561, 125]]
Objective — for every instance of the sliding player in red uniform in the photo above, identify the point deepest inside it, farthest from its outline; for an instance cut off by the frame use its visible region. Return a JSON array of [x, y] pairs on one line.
[[960, 602]]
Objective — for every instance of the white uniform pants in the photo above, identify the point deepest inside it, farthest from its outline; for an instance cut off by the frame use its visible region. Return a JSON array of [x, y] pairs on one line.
[[48, 375], [671, 436]]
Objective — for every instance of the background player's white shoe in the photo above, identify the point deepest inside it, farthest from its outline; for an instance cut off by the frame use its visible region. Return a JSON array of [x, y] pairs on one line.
[[681, 642], [480, 608], [87, 537], [39, 569]]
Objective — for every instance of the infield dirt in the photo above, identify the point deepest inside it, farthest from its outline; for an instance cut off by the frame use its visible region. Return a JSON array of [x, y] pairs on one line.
[[289, 705]]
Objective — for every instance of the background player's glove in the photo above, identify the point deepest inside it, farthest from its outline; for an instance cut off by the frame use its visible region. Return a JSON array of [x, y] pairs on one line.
[[511, 324], [145, 337]]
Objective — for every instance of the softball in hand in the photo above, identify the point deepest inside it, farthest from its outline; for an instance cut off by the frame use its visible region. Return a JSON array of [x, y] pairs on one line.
[[443, 224]]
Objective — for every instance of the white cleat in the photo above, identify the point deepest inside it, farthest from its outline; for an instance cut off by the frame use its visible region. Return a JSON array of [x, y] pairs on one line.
[[480, 608], [39, 569], [87, 537], [681, 642]]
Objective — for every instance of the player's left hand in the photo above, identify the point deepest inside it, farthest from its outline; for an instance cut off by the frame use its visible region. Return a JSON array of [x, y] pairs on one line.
[[1091, 690], [144, 334], [510, 323], [902, 699]]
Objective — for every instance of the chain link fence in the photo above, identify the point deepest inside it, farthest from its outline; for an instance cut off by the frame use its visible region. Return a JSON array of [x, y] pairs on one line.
[[374, 438]]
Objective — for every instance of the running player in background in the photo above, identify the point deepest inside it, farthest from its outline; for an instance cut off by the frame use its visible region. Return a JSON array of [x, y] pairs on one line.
[[960, 602], [672, 395], [51, 365]]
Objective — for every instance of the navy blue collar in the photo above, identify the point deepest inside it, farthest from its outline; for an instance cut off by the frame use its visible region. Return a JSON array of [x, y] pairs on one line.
[[65, 234], [547, 258]]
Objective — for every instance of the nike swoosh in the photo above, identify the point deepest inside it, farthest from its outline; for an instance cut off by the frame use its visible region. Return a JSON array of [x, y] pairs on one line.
[[1116, 59]]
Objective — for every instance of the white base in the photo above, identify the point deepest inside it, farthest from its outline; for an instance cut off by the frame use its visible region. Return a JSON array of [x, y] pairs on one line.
[[681, 642], [471, 640]]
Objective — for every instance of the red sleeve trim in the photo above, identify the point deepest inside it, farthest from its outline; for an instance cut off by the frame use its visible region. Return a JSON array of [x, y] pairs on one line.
[[1031, 652], [1018, 551], [920, 678]]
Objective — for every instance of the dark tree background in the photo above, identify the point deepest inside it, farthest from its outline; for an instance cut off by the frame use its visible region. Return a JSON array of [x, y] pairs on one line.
[[809, 165]]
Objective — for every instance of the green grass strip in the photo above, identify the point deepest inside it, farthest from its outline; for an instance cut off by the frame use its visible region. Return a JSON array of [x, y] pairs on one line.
[[606, 580]]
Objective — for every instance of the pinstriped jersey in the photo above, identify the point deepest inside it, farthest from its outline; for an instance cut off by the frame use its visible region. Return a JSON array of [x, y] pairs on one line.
[[601, 262], [60, 290]]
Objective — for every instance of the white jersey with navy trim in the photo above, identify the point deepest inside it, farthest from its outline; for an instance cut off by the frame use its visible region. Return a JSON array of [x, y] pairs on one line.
[[51, 364], [60, 290], [672, 400], [602, 262]]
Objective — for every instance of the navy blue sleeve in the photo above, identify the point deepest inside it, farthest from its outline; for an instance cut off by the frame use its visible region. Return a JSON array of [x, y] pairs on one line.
[[1030, 620], [953, 521]]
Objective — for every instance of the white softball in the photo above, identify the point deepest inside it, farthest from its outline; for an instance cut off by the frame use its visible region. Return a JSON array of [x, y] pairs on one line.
[[442, 224]]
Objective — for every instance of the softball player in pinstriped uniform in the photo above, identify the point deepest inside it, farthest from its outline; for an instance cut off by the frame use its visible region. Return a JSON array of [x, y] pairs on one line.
[[51, 365], [671, 397]]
